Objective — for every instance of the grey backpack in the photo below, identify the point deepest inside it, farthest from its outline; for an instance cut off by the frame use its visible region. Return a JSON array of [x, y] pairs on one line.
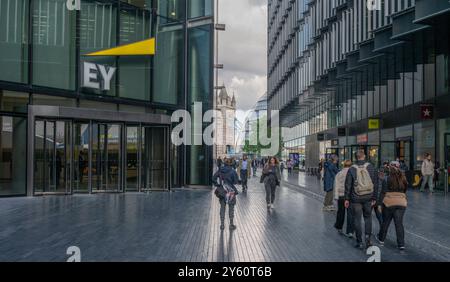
[[363, 183]]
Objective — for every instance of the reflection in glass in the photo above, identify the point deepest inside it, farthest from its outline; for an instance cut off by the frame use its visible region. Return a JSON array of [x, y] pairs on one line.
[[12, 155], [53, 44], [200, 8], [132, 159], [14, 40], [81, 157]]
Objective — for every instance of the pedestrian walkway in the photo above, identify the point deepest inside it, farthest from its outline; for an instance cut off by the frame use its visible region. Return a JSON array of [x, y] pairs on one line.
[[181, 226], [427, 218]]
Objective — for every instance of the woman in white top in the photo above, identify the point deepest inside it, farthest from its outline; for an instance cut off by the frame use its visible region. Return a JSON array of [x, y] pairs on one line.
[[339, 190]]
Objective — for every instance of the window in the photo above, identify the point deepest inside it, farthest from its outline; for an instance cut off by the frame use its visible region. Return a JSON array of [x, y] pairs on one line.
[[169, 61], [13, 101], [200, 8], [134, 72], [53, 101], [14, 41], [170, 11], [53, 44]]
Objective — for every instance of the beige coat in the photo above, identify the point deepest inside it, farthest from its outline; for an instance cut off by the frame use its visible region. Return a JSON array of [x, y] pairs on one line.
[[427, 167]]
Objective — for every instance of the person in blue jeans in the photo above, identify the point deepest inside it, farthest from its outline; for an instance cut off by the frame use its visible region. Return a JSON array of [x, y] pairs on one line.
[[330, 171]]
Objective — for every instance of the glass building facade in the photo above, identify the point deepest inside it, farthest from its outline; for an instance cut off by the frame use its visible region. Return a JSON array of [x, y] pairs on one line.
[[348, 76], [61, 135]]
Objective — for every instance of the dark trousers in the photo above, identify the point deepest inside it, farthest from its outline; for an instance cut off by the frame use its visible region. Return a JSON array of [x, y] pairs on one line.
[[223, 206], [364, 210], [397, 214], [379, 215], [270, 192], [244, 178], [340, 217]]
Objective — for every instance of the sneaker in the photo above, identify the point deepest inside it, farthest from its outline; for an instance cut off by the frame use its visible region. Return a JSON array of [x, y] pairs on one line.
[[232, 227], [359, 246], [269, 206], [349, 235], [222, 227], [379, 241], [331, 208], [340, 232], [272, 206], [401, 248], [325, 208]]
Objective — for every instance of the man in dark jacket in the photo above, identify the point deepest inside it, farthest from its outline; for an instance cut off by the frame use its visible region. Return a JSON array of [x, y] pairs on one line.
[[330, 171], [230, 179], [361, 205]]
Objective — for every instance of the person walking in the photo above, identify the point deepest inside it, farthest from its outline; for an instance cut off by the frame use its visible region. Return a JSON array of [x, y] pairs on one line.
[[254, 166], [289, 166], [219, 162], [394, 204], [427, 173], [320, 172], [281, 167], [339, 196], [226, 191], [271, 177], [361, 189], [244, 171], [330, 171]]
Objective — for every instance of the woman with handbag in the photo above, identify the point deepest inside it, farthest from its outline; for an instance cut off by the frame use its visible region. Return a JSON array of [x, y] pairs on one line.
[[226, 191], [271, 176], [394, 200]]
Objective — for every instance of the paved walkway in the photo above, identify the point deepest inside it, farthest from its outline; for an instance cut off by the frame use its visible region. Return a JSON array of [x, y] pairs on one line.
[[184, 226]]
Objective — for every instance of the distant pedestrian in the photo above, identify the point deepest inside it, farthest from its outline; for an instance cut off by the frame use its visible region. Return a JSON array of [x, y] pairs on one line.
[[361, 186], [282, 167], [427, 173], [330, 170], [244, 170], [339, 196], [289, 166], [225, 180], [271, 177], [394, 204], [320, 172], [254, 166]]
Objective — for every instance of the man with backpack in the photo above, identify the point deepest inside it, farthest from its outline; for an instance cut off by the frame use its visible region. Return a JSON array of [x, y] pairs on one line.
[[225, 180], [361, 190]]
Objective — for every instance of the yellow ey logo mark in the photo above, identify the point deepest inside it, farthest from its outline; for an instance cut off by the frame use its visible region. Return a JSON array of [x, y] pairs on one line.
[[140, 48]]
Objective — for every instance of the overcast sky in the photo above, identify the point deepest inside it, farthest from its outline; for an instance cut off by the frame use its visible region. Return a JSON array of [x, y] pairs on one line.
[[242, 49]]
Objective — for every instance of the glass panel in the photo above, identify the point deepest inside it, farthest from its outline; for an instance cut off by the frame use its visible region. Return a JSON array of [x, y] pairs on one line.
[[62, 157], [39, 156], [53, 44], [169, 61], [53, 101], [387, 152], [409, 92], [399, 91], [49, 152], [12, 155], [14, 40], [424, 141], [132, 158], [13, 101], [134, 72], [443, 74], [429, 82], [199, 90], [159, 161], [170, 11], [418, 84], [81, 157], [200, 8], [114, 159], [98, 22]]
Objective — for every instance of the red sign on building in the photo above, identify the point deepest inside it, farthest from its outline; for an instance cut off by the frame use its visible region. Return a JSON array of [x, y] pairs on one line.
[[426, 111]]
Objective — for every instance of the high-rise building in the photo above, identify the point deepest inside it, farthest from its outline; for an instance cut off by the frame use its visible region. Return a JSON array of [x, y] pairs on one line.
[[73, 123], [372, 75]]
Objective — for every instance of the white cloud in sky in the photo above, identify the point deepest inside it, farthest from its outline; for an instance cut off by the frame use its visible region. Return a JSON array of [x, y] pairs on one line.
[[243, 49]]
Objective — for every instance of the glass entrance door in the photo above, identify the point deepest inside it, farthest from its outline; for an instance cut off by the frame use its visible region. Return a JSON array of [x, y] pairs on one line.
[[154, 162], [81, 157], [106, 157], [52, 157]]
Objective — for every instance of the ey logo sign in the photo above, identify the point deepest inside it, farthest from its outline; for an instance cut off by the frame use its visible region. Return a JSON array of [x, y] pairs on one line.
[[99, 76]]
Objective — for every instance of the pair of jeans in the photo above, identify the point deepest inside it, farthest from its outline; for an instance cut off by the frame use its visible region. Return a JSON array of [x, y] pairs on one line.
[[270, 191], [340, 217], [223, 206], [244, 178], [427, 179], [397, 214], [328, 199], [254, 170], [364, 210]]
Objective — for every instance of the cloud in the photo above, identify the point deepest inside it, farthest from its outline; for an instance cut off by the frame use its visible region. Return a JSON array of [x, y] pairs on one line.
[[243, 49]]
